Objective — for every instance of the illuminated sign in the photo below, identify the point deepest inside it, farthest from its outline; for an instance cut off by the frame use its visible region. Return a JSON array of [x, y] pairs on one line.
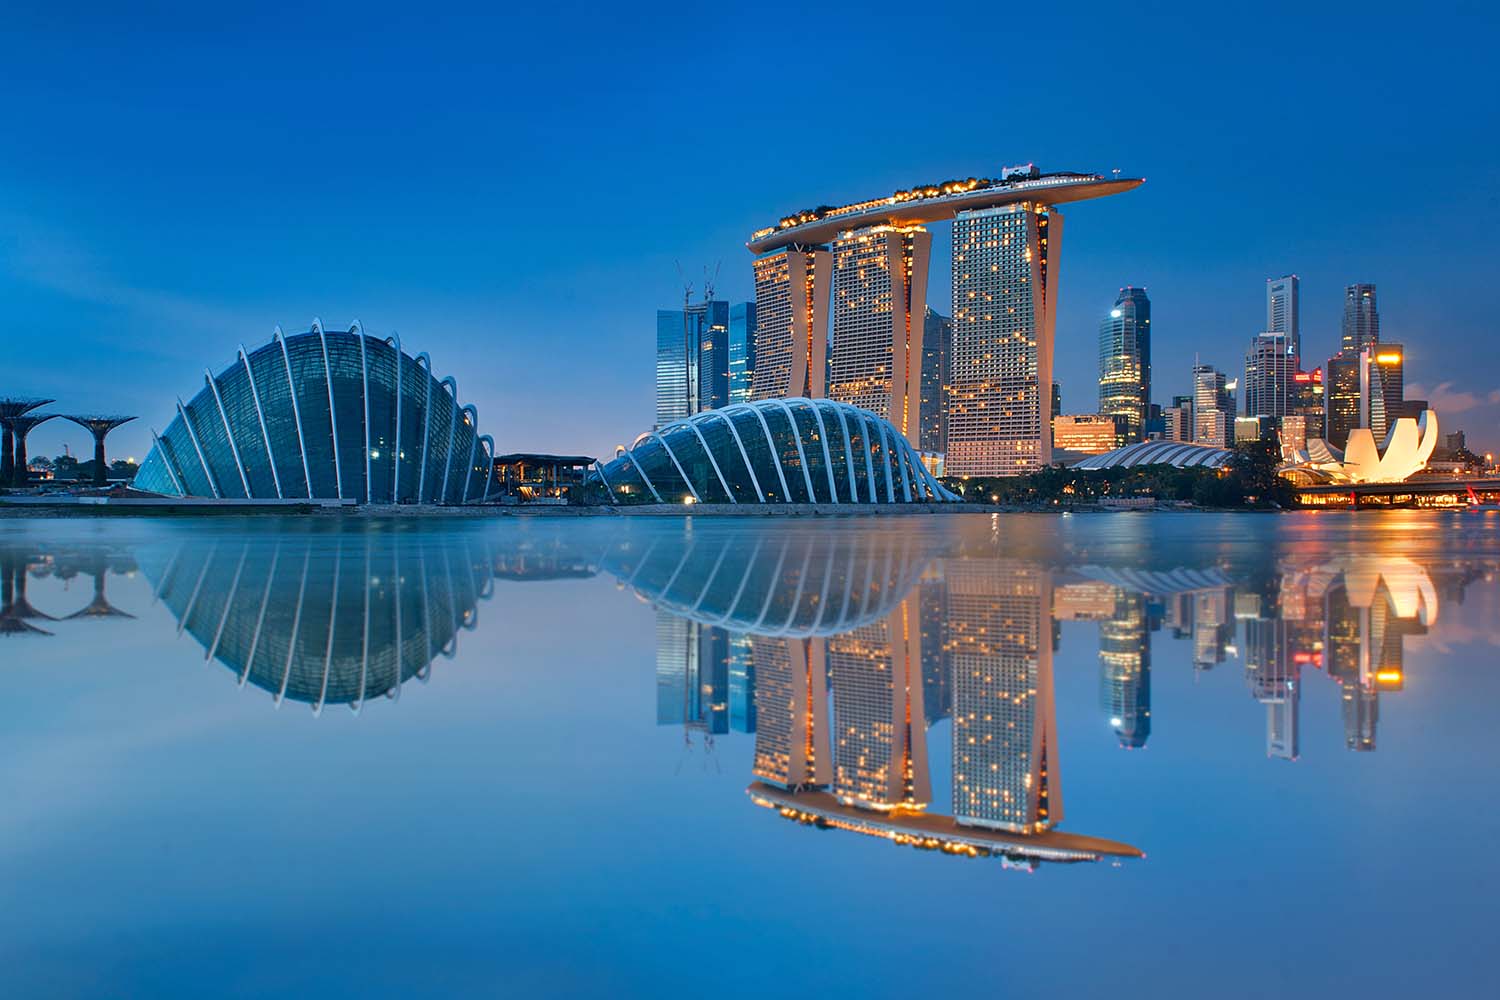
[[1388, 358]]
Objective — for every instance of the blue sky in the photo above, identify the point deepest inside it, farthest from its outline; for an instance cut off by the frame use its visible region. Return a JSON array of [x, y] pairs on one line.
[[510, 191]]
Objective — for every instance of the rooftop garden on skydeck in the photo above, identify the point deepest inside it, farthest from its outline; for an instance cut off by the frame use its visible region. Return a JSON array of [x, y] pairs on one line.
[[931, 202]]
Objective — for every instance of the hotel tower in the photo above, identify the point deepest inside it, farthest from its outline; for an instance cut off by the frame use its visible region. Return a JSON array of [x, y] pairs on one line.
[[879, 308], [1004, 314], [791, 315], [873, 257]]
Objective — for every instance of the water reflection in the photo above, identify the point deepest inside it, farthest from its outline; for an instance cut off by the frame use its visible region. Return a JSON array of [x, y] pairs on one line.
[[836, 651]]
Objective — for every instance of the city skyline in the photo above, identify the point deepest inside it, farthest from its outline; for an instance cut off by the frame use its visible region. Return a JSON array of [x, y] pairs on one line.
[[164, 262]]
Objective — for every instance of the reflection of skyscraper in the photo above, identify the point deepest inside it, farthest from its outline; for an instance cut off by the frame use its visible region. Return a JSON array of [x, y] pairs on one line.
[[791, 702], [937, 694], [1125, 669], [1275, 681], [692, 674], [1004, 714], [741, 684], [880, 752], [1212, 627]]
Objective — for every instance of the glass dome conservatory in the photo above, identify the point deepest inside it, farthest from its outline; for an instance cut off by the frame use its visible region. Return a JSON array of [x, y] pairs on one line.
[[773, 451], [323, 415]]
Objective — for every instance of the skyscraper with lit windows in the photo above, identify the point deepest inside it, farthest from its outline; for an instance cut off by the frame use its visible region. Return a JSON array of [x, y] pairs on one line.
[[791, 315], [1004, 302], [1361, 318], [741, 351], [879, 307], [1125, 361]]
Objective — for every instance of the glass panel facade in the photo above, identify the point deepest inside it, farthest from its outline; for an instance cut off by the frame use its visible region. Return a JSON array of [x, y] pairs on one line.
[[851, 456], [380, 361], [275, 423], [812, 446], [349, 410], [311, 385], [203, 415], [836, 451], [731, 463], [239, 407], [439, 436], [154, 477], [275, 392], [694, 459], [753, 435], [653, 458], [785, 438]]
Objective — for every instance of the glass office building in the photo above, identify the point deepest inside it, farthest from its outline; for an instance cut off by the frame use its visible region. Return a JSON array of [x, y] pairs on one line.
[[1125, 361], [323, 415], [773, 451]]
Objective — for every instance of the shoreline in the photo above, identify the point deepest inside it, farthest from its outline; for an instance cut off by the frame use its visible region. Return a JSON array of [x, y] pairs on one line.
[[86, 507]]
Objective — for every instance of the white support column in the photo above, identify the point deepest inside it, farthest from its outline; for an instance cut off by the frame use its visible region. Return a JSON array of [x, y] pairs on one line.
[[452, 435], [680, 470], [599, 468], [489, 469], [260, 416], [291, 643], [693, 426], [775, 461], [869, 449], [364, 371], [333, 413], [833, 490], [395, 341], [473, 452], [885, 461], [848, 454], [645, 478], [234, 449], [166, 460], [291, 388], [426, 428], [744, 456], [193, 436], [812, 497]]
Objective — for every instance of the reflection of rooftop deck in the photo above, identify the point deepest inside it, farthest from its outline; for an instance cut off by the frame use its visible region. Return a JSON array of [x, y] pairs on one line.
[[901, 211], [935, 831]]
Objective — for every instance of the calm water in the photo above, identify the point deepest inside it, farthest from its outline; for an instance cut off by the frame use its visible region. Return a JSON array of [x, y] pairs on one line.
[[855, 758]]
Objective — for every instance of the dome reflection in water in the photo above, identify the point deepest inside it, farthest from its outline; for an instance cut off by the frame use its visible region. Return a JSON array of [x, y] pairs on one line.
[[834, 647], [325, 617]]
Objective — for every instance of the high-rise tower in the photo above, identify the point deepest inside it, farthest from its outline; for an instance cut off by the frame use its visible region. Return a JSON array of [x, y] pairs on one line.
[[791, 315], [741, 351], [879, 305], [937, 375], [1281, 311], [1361, 318], [1125, 361], [1004, 314], [1270, 376], [692, 360]]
